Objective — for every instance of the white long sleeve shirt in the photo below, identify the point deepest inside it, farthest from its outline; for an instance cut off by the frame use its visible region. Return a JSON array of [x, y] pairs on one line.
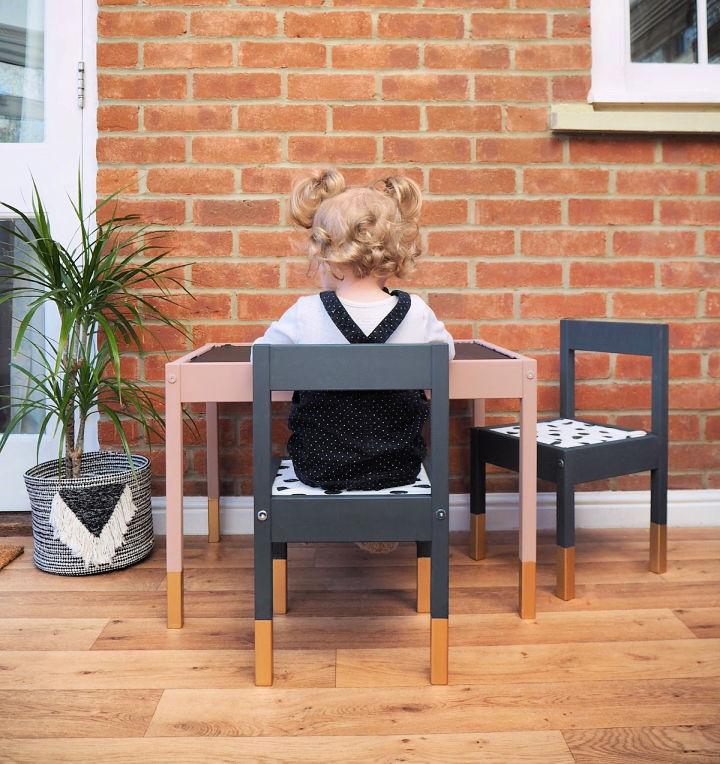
[[307, 323]]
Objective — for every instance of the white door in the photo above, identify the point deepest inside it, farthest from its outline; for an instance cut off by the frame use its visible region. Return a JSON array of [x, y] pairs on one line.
[[41, 137]]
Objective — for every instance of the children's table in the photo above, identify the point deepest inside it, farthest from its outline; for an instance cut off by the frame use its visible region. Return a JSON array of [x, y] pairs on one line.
[[222, 373]]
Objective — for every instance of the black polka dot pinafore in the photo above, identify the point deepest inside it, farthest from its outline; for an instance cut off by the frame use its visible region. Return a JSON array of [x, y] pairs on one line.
[[358, 439]]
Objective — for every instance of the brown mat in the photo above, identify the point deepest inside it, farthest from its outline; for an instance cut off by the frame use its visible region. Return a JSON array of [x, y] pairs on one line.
[[9, 553]]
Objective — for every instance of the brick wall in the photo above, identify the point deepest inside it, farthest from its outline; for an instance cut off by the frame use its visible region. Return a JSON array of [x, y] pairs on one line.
[[209, 109]]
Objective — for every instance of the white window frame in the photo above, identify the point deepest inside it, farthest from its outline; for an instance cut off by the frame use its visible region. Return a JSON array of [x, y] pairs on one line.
[[617, 80]]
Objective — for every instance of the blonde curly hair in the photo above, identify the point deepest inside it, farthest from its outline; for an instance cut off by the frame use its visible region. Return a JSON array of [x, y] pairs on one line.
[[372, 230]]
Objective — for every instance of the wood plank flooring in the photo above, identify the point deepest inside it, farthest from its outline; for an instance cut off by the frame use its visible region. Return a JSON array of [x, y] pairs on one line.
[[629, 671]]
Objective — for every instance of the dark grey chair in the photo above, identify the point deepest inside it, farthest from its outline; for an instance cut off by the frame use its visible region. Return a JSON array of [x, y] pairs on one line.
[[575, 451], [280, 519]]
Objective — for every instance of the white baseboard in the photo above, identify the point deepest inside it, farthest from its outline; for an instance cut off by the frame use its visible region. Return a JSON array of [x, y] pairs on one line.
[[593, 509]]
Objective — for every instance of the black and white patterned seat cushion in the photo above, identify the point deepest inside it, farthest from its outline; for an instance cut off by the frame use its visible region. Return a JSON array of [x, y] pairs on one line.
[[286, 483], [569, 433]]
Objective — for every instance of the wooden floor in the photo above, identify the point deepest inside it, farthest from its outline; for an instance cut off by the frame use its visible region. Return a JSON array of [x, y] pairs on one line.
[[628, 671]]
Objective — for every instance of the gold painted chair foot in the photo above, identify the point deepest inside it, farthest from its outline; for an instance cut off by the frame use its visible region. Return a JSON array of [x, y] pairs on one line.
[[658, 548], [213, 520], [527, 589], [280, 587], [174, 599], [477, 537], [439, 651], [565, 572], [263, 653], [423, 584]]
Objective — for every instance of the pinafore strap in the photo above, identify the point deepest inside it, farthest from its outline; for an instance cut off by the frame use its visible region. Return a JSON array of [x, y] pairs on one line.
[[352, 332]]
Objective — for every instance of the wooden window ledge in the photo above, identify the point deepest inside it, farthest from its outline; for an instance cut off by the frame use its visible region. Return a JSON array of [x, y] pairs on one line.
[[586, 118]]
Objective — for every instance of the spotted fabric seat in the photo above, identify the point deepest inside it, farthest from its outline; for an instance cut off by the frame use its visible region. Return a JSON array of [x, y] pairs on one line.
[[570, 433], [287, 483]]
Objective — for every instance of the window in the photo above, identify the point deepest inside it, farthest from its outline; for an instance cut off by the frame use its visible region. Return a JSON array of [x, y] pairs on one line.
[[655, 51]]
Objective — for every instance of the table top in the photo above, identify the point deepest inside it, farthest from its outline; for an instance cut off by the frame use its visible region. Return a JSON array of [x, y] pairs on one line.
[[464, 351]]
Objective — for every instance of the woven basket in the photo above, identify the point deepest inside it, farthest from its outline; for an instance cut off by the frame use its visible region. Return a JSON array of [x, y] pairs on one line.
[[96, 523]]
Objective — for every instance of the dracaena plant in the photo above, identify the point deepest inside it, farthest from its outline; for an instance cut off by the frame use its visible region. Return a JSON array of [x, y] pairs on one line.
[[109, 289]]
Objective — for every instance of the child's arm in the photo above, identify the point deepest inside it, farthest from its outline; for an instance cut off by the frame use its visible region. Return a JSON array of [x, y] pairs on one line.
[[436, 332], [284, 331]]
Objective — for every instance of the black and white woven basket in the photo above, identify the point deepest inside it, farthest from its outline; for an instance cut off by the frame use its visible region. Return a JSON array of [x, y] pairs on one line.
[[96, 523]]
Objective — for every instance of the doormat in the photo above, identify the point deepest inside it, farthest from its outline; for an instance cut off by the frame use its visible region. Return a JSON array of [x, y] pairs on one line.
[[9, 553]]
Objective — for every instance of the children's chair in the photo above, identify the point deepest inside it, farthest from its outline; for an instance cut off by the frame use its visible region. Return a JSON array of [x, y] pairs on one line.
[[572, 451], [287, 511]]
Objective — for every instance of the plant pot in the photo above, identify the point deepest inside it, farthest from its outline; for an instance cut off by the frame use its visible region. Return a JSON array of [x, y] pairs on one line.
[[96, 523]]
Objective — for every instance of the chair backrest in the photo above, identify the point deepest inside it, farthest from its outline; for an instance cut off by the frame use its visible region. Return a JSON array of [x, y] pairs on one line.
[[349, 367], [616, 337]]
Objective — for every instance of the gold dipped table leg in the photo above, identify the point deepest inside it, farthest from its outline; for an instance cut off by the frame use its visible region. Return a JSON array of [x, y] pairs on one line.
[[280, 587], [423, 584], [213, 520], [565, 572], [263, 653], [477, 536], [527, 589], [439, 651], [658, 548], [174, 599]]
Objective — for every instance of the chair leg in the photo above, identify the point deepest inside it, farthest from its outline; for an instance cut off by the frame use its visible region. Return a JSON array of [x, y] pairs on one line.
[[279, 578], [439, 651], [565, 537], [439, 582], [477, 501], [263, 566], [263, 653], [658, 521], [423, 577]]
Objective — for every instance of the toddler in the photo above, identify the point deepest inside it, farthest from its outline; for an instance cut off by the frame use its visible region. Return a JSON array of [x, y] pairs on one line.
[[359, 238]]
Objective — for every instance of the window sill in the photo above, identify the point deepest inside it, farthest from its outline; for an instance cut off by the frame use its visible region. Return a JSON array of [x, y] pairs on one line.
[[586, 118]]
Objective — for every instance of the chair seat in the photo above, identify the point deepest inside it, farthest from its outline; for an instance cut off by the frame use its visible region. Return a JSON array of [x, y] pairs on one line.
[[286, 483], [571, 433]]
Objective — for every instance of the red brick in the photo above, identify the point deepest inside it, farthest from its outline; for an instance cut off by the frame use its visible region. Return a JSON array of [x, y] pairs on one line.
[[570, 88], [552, 56], [473, 306], [712, 243], [233, 24], [434, 274], [182, 55], [328, 24], [712, 304], [552, 4], [187, 117], [376, 118], [236, 275], [509, 26], [369, 176], [141, 24], [482, 180], [610, 211], [526, 119], [193, 244], [571, 25], [510, 87], [264, 180], [425, 87], [655, 306], [712, 428], [253, 306], [281, 118], [714, 365], [331, 87], [331, 149], [603, 274], [281, 54], [162, 212], [697, 456], [639, 367], [518, 274], [712, 182], [565, 181], [510, 334], [695, 335], [370, 56], [657, 182], [563, 243], [111, 180], [654, 243], [471, 243], [444, 212], [137, 87], [612, 150], [518, 150], [236, 212], [428, 150], [236, 85], [197, 305], [695, 212], [271, 243], [605, 397], [462, 4], [461, 56], [140, 150], [517, 212], [583, 305], [235, 149], [694, 151], [690, 274], [425, 26], [117, 118], [475, 119], [190, 180], [117, 54]]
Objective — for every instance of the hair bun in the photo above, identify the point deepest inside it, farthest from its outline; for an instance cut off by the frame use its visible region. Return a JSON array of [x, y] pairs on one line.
[[311, 192], [407, 196]]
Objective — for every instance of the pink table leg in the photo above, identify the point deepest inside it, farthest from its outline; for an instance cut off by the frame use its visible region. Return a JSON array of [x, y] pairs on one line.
[[174, 490], [213, 475], [528, 488]]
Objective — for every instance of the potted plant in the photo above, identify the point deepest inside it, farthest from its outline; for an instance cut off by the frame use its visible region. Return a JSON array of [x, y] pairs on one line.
[[90, 510]]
